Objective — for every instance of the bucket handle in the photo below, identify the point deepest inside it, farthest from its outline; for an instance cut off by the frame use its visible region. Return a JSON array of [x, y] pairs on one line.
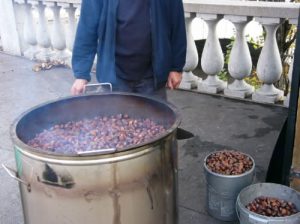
[[14, 174], [99, 151], [237, 211]]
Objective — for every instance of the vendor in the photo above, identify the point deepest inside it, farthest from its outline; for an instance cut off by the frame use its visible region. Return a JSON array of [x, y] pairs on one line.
[[140, 44]]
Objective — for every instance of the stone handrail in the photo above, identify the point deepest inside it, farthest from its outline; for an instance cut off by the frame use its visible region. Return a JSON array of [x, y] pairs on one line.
[[37, 41], [240, 13], [243, 8]]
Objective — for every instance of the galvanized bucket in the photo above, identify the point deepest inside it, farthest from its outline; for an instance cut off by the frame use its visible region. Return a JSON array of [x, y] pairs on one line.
[[222, 191], [248, 194]]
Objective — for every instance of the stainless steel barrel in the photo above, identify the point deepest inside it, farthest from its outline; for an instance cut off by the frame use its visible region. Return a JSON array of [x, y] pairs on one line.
[[132, 186]]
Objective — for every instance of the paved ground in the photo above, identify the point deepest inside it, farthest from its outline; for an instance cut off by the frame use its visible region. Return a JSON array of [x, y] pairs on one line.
[[216, 122]]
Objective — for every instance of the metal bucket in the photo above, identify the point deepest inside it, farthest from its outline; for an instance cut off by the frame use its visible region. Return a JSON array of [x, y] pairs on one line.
[[248, 194], [132, 186], [222, 191]]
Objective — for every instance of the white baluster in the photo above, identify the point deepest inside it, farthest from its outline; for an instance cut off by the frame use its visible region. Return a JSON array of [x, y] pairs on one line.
[[43, 38], [269, 67], [212, 60], [58, 36], [70, 28], [240, 64], [29, 32], [77, 12], [189, 80]]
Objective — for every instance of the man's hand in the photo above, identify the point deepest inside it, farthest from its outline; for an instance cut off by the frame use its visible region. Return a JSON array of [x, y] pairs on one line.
[[174, 80], [78, 86]]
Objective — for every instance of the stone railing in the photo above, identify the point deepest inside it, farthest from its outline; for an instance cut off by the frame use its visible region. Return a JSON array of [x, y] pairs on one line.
[[46, 28], [45, 31], [269, 67]]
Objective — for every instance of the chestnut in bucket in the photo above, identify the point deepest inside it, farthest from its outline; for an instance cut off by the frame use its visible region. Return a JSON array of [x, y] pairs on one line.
[[272, 207], [229, 162]]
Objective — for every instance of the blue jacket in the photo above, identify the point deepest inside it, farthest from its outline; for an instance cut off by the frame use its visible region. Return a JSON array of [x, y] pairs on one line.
[[96, 34]]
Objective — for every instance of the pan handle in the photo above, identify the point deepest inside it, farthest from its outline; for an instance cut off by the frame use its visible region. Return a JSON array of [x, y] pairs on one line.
[[99, 151], [14, 174], [98, 88]]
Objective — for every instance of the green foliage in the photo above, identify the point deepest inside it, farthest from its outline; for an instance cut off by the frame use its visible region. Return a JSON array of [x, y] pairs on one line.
[[252, 79], [228, 50], [224, 75], [256, 44]]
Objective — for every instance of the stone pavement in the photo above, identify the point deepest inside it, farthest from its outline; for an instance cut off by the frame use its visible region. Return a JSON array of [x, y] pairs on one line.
[[216, 122]]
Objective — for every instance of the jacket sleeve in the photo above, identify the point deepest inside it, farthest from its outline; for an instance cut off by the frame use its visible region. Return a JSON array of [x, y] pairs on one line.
[[178, 36], [86, 40]]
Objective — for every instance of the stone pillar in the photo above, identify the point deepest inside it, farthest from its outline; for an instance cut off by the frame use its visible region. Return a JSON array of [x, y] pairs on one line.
[[29, 33], [8, 28], [189, 80], [240, 63], [43, 38], [212, 60], [70, 28], [57, 35], [269, 67]]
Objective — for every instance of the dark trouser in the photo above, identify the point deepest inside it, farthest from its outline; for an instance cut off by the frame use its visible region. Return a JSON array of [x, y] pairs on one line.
[[144, 86]]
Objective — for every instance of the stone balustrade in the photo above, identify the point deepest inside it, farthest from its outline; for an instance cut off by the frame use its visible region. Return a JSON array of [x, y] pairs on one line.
[[46, 31], [269, 67], [48, 28]]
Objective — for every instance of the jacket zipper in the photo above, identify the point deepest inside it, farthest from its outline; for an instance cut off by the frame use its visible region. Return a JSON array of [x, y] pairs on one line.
[[153, 44]]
